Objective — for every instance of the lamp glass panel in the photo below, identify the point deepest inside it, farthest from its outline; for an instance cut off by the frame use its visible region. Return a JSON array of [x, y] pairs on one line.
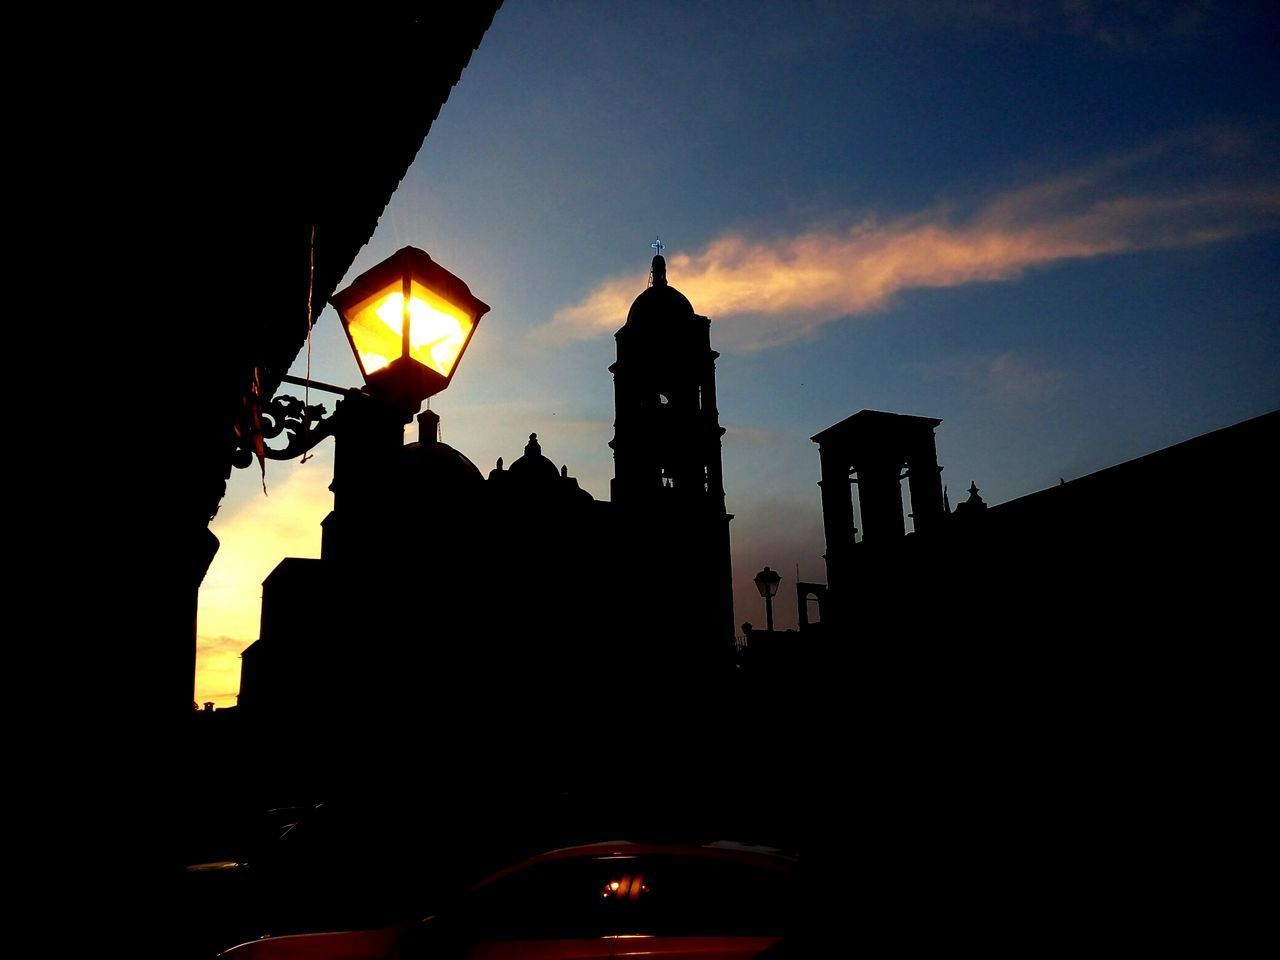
[[767, 585], [438, 329], [375, 328]]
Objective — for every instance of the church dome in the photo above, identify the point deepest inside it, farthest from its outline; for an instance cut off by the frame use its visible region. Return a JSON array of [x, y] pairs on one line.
[[436, 465], [533, 466], [660, 304], [441, 465]]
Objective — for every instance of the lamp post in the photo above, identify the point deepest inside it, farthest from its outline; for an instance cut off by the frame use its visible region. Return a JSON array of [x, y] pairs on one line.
[[767, 583]]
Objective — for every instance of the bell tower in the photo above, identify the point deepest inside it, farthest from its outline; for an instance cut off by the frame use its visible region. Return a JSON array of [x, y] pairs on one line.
[[666, 441], [666, 447]]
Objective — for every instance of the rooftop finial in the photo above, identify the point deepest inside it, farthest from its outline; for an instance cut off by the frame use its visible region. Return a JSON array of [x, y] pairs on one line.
[[971, 507], [428, 427], [658, 272]]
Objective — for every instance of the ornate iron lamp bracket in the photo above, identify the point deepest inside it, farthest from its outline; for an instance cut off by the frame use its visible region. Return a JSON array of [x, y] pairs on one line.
[[304, 425]]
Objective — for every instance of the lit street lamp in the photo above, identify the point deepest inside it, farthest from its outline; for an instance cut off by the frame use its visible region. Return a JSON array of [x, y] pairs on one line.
[[767, 583], [408, 320]]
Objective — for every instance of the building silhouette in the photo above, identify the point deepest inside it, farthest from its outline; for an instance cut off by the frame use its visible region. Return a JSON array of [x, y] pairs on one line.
[[1106, 571], [281, 222], [869, 451], [1125, 589], [666, 449], [518, 591]]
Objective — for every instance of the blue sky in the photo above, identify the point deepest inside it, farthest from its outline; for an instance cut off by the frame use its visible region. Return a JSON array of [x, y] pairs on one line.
[[1054, 226]]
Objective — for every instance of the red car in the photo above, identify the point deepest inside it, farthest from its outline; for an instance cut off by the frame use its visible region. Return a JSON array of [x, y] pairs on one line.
[[605, 900]]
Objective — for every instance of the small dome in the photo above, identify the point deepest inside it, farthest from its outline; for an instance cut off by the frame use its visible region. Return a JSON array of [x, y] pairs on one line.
[[441, 468], [533, 465]]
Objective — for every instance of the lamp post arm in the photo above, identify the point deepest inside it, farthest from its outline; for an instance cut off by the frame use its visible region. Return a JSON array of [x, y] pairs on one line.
[[305, 425], [319, 385]]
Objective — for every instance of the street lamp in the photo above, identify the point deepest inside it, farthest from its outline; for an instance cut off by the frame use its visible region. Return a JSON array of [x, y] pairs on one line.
[[408, 320], [767, 583]]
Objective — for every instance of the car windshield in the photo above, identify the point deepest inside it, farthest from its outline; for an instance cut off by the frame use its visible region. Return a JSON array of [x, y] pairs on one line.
[[632, 896]]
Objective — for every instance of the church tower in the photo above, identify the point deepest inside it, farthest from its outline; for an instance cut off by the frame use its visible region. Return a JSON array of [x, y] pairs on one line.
[[666, 451]]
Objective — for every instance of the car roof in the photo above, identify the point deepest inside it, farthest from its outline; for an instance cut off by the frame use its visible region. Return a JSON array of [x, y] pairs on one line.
[[744, 853]]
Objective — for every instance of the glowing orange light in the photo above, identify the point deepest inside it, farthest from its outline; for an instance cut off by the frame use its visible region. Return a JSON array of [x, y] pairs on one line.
[[438, 330], [628, 888], [408, 352]]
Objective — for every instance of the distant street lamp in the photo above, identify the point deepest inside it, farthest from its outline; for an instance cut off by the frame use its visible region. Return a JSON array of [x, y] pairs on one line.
[[767, 583], [409, 320]]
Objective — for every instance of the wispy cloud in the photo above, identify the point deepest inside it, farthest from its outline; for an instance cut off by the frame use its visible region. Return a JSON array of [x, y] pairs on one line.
[[747, 436], [1183, 191], [1006, 376]]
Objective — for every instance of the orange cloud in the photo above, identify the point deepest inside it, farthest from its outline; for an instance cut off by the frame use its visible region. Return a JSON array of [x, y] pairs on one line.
[[765, 293]]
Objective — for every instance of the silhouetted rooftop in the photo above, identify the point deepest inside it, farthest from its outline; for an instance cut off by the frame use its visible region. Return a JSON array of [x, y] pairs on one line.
[[1164, 483], [867, 425], [533, 465], [441, 466]]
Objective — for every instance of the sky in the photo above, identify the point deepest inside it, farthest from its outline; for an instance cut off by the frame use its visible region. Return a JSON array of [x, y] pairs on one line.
[[1055, 226]]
